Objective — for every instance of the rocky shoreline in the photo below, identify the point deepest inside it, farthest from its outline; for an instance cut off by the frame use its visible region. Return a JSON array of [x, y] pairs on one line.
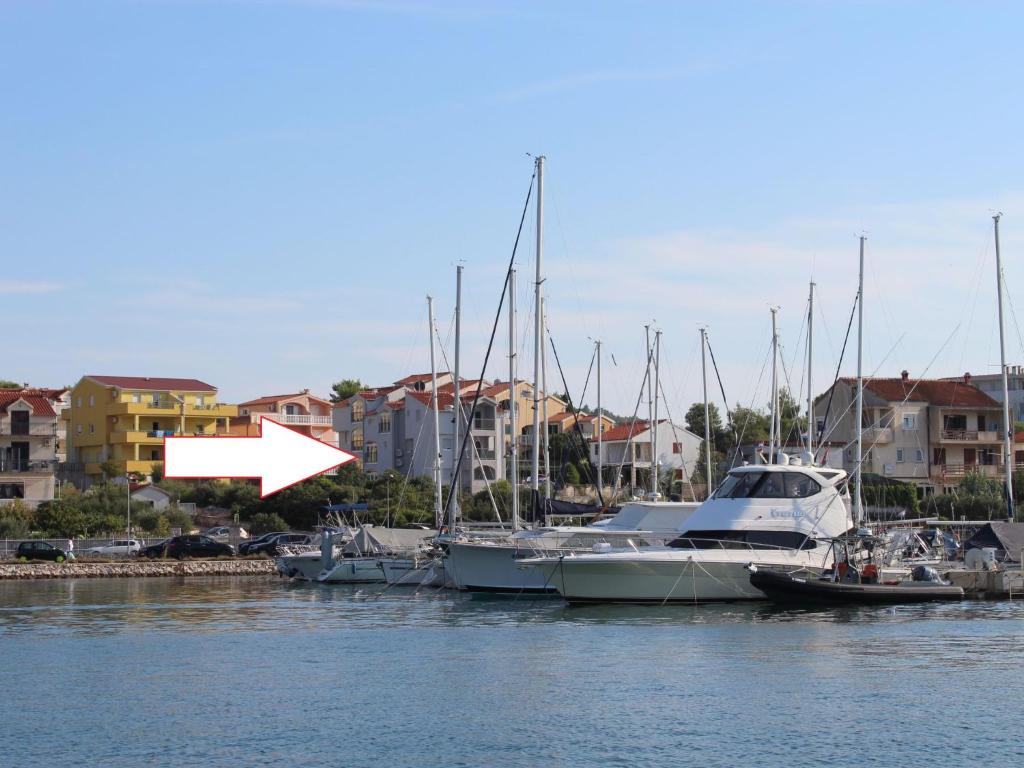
[[137, 568]]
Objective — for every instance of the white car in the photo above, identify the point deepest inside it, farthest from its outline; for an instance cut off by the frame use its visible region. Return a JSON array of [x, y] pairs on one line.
[[123, 547]]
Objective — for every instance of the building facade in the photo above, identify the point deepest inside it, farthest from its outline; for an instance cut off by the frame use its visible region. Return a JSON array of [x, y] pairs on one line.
[[305, 413], [925, 431], [626, 453], [124, 419], [29, 443]]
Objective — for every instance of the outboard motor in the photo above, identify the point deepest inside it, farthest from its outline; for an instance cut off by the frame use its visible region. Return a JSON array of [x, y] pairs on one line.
[[926, 573]]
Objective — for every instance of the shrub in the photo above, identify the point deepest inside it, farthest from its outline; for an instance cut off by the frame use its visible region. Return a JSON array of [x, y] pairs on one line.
[[265, 522]]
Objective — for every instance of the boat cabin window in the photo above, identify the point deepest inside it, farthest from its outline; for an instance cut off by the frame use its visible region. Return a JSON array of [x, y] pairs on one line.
[[743, 540], [768, 485]]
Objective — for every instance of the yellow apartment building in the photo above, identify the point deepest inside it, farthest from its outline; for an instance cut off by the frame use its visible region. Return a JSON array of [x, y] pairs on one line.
[[126, 418]]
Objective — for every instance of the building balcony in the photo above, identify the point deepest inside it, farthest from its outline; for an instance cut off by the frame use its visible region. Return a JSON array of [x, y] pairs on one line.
[[968, 436], [32, 430], [174, 408], [152, 437], [13, 467], [482, 425], [947, 472], [877, 435], [296, 419]]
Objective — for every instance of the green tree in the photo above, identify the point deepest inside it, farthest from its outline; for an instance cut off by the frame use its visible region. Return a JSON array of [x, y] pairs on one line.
[[344, 389], [977, 484], [752, 425], [157, 473], [110, 469], [265, 522], [571, 474], [8, 384]]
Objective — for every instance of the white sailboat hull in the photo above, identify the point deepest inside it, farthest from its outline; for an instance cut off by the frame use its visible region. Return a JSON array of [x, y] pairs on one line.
[[413, 572], [671, 576], [304, 567], [493, 567], [353, 570]]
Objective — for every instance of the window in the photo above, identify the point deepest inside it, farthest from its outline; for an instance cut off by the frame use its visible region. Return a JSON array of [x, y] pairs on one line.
[[358, 410], [200, 429], [768, 485], [370, 453], [899, 455], [357, 439], [200, 400], [136, 397], [92, 401], [733, 539], [78, 429], [677, 447], [447, 443], [92, 429], [910, 421], [919, 456], [771, 487], [385, 422]]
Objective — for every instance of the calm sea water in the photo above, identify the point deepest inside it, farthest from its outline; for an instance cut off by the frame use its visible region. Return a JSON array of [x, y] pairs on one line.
[[255, 671]]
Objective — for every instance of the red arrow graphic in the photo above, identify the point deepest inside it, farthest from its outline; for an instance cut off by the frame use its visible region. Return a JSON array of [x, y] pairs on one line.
[[280, 457]]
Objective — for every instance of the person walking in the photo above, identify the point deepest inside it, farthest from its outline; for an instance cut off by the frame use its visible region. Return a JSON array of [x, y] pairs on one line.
[[70, 548]]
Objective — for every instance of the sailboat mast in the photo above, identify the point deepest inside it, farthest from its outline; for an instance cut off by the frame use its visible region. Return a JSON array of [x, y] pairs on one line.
[[544, 403], [654, 419], [650, 404], [453, 513], [600, 431], [811, 426], [708, 477], [775, 388], [438, 505], [538, 329], [1007, 424], [858, 510], [512, 400]]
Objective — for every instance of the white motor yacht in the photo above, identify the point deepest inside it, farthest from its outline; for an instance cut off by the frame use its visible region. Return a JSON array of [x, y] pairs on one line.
[[493, 566], [775, 516]]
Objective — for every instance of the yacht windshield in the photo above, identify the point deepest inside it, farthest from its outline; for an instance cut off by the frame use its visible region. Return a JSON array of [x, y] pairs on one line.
[[743, 540], [767, 485]]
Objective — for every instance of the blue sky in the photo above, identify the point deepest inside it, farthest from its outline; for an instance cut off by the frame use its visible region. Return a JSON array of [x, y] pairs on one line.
[[261, 193]]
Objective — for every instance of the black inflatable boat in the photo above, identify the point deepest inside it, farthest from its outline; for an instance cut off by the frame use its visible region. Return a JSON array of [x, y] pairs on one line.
[[790, 588]]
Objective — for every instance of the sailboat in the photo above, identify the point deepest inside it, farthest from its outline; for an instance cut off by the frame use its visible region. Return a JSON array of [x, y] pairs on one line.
[[493, 565]]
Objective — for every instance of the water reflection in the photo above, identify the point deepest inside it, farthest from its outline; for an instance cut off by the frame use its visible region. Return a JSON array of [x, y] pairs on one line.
[[226, 604]]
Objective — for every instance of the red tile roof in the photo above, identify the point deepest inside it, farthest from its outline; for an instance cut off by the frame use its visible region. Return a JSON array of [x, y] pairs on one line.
[[463, 384], [418, 377], [444, 400], [268, 399], [933, 391], [626, 430], [156, 382], [37, 401]]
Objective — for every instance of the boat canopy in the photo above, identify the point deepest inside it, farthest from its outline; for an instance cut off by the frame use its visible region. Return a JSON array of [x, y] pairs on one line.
[[370, 540], [1006, 538], [649, 516]]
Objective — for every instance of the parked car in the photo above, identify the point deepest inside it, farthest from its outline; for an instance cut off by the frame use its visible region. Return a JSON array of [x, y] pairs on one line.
[[223, 533], [197, 545], [154, 550], [122, 547], [40, 550], [245, 546], [273, 545]]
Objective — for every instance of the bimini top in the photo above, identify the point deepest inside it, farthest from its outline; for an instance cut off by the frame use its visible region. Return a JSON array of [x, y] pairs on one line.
[[812, 501]]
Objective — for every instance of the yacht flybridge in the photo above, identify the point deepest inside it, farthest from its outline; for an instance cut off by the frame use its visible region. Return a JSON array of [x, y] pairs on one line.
[[778, 516]]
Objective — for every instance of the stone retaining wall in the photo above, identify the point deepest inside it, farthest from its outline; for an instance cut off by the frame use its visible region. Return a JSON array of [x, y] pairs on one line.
[[137, 568]]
